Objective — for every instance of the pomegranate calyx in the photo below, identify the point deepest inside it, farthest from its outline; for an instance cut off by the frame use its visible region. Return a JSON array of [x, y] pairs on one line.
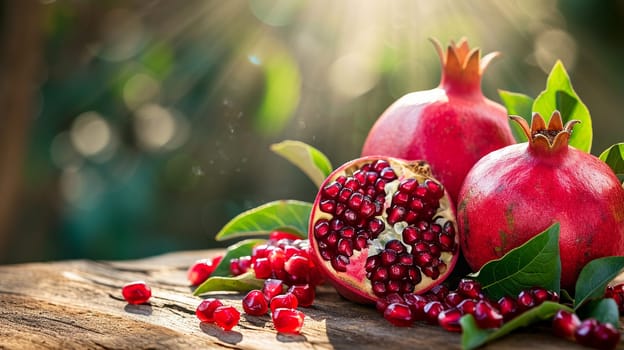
[[462, 67], [555, 136]]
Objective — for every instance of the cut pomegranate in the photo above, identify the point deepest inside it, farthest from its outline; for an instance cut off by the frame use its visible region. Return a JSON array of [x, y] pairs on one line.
[[288, 320], [205, 309], [382, 225], [451, 127], [226, 317], [254, 303], [287, 301], [559, 183], [136, 292]]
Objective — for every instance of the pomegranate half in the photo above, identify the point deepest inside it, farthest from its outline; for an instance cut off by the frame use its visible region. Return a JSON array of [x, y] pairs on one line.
[[451, 126], [382, 225], [516, 192]]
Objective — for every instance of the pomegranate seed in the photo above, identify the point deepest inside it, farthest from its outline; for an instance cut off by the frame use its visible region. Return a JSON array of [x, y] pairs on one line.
[[469, 288], [449, 320], [525, 300], [467, 306], [387, 174], [288, 301], [432, 310], [508, 307], [205, 310], [540, 295], [298, 266], [226, 317], [200, 271], [396, 214], [254, 303], [388, 257], [321, 228], [262, 268], [288, 320], [585, 331], [272, 288], [277, 258], [416, 304], [606, 336], [565, 324], [328, 206], [617, 294], [340, 263], [453, 299], [136, 292], [408, 185], [332, 189], [372, 262], [487, 316], [305, 294], [279, 235], [399, 315]]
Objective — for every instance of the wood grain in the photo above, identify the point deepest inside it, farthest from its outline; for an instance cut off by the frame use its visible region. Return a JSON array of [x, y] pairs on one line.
[[78, 305]]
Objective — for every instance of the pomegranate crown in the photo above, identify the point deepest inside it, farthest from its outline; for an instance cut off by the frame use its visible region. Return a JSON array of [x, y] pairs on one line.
[[553, 136], [462, 66]]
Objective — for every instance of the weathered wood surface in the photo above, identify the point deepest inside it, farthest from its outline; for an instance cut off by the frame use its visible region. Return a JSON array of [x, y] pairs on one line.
[[78, 305]]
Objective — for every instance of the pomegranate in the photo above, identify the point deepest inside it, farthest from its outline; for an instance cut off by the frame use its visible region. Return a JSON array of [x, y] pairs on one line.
[[382, 225], [451, 126], [517, 192]]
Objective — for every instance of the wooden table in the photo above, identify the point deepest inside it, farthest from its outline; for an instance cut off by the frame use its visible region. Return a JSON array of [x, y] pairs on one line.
[[78, 305]]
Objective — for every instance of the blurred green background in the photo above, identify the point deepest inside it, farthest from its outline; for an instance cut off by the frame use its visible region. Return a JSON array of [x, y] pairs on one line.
[[133, 128]]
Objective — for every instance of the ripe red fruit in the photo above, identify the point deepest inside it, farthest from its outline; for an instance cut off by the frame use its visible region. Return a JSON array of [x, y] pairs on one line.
[[288, 301], [136, 292], [254, 303], [305, 294], [382, 225], [201, 270], [205, 309], [514, 193], [226, 317], [288, 320], [278, 235], [451, 126], [399, 315]]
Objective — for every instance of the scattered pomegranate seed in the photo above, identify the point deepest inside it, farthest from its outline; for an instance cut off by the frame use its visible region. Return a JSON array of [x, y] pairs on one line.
[[288, 320], [279, 235], [565, 324], [136, 292], [449, 319], [201, 270], [432, 310], [617, 294], [205, 309], [226, 317], [399, 315], [287, 301], [272, 288], [487, 316], [305, 294], [254, 303]]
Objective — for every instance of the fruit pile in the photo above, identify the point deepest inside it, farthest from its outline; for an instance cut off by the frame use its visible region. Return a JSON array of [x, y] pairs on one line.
[[444, 174]]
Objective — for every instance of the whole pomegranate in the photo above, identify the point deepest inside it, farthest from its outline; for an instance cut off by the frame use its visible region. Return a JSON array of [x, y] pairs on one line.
[[451, 126], [382, 225], [516, 192]]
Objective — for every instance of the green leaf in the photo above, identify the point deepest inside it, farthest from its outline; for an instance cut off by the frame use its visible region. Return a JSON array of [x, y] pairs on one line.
[[603, 310], [474, 337], [240, 283], [614, 157], [559, 95], [242, 248], [307, 158], [594, 277], [535, 263], [520, 105], [283, 215]]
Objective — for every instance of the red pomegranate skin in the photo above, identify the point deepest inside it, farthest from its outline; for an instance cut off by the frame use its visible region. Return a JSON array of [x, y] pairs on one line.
[[516, 192], [451, 126]]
